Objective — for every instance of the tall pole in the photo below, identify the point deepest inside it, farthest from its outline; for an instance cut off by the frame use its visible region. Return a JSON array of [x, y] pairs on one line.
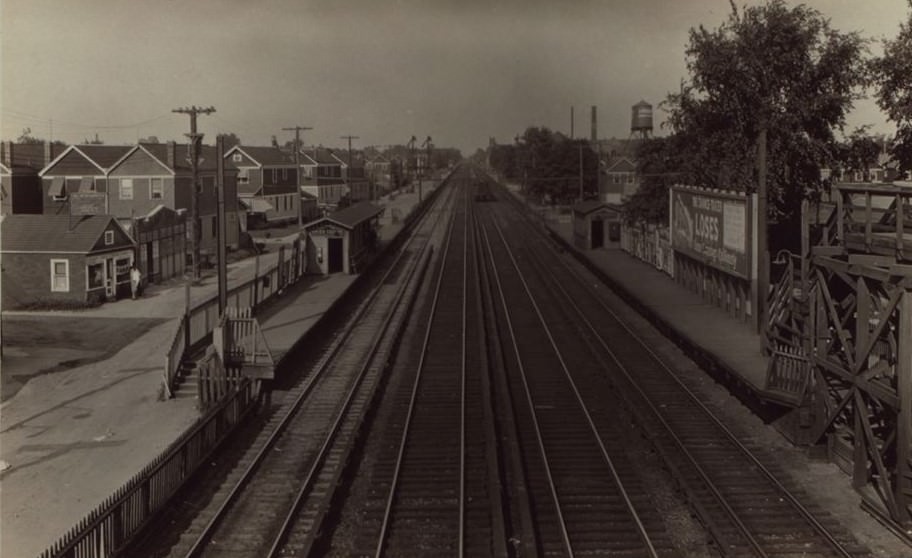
[[195, 140], [581, 170], [297, 158], [762, 239], [348, 178], [222, 228]]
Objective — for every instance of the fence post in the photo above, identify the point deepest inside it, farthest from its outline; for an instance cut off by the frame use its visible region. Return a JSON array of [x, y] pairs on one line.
[[256, 280], [186, 317]]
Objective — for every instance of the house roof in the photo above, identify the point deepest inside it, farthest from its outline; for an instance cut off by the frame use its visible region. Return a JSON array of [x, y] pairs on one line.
[[208, 156], [52, 233], [28, 156], [588, 206], [351, 216], [320, 156], [104, 155], [621, 164], [265, 155]]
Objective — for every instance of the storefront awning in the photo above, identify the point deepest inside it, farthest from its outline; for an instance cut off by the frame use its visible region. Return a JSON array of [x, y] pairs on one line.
[[57, 187]]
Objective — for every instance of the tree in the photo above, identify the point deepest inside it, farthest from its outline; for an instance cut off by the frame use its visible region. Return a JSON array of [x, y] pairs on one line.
[[892, 73], [658, 167], [150, 140], [858, 152], [231, 140], [27, 137], [549, 165], [771, 68]]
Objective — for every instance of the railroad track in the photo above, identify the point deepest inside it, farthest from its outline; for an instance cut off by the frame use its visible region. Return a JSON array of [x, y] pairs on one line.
[[585, 495], [276, 490], [425, 489], [744, 505]]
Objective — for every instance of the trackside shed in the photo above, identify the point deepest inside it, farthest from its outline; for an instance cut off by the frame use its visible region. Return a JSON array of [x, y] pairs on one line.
[[596, 224], [344, 240]]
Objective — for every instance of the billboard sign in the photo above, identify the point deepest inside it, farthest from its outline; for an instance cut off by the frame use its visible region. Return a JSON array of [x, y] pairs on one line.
[[712, 227], [87, 203]]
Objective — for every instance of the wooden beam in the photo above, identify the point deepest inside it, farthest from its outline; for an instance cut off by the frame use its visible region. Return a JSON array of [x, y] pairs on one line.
[[904, 422]]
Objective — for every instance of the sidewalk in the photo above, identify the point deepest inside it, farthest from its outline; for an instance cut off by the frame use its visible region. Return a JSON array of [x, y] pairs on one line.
[[69, 439], [735, 346]]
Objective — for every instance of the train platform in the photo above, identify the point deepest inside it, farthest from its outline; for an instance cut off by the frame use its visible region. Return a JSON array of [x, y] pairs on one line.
[[732, 347], [70, 438]]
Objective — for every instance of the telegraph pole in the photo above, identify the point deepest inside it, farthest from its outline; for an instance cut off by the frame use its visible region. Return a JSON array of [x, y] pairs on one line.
[[348, 178], [222, 226], [297, 158], [581, 170], [196, 140]]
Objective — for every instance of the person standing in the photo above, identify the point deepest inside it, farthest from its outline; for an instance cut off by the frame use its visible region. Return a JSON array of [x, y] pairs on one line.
[[135, 280]]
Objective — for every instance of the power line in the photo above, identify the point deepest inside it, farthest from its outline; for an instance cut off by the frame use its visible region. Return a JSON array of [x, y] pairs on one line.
[[36, 118]]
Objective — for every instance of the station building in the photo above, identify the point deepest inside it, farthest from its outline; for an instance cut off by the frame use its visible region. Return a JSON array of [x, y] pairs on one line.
[[596, 224], [342, 241]]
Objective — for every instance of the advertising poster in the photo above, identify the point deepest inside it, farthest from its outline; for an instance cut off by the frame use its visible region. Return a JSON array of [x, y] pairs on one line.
[[712, 228]]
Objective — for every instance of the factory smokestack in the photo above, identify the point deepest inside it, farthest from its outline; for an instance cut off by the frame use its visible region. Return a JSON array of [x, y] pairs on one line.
[[594, 137]]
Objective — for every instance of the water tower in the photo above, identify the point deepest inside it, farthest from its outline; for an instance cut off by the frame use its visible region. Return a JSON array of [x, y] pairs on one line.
[[641, 121]]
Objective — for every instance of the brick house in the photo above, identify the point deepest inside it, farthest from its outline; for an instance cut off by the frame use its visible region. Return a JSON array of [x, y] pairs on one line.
[[80, 168], [355, 176], [20, 183], [619, 180], [267, 182], [59, 258], [322, 177], [150, 175]]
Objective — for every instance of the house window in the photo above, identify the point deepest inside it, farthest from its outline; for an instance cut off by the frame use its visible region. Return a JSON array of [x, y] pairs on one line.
[[126, 188], [58, 189], [237, 158], [109, 238], [156, 189], [60, 276], [243, 176], [284, 174], [275, 175]]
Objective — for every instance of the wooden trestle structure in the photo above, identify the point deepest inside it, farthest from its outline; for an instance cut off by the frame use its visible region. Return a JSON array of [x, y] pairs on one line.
[[839, 335]]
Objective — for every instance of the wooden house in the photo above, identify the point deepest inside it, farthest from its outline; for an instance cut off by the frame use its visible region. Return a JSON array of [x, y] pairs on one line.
[[64, 259], [267, 182]]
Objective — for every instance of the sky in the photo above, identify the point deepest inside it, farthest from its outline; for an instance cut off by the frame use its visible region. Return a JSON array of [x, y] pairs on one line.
[[458, 71]]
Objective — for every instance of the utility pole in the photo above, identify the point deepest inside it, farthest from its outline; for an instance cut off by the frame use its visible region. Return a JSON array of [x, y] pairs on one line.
[[411, 148], [348, 178], [427, 145], [297, 158], [222, 261], [762, 233], [581, 170], [196, 140]]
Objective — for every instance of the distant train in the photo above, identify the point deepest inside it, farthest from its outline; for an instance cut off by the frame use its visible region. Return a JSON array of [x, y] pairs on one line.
[[483, 191]]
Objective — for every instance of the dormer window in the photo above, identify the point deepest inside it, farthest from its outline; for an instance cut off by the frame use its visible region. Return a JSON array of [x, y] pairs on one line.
[[109, 238], [237, 157]]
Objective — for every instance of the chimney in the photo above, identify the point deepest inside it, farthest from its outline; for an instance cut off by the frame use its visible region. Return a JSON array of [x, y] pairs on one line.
[[594, 125], [171, 152]]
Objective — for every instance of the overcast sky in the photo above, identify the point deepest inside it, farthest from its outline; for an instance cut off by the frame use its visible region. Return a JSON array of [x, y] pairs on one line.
[[459, 71]]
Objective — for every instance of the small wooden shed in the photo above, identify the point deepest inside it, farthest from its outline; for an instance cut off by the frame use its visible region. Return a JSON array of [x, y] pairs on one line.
[[342, 241], [596, 224]]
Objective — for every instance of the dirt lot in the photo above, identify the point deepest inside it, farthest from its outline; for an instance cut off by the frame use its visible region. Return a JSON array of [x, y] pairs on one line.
[[43, 344]]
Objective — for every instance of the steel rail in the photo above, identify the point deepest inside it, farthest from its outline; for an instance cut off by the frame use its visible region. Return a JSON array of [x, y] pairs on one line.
[[538, 432], [207, 532], [644, 536], [462, 381], [391, 496], [331, 436], [808, 516]]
